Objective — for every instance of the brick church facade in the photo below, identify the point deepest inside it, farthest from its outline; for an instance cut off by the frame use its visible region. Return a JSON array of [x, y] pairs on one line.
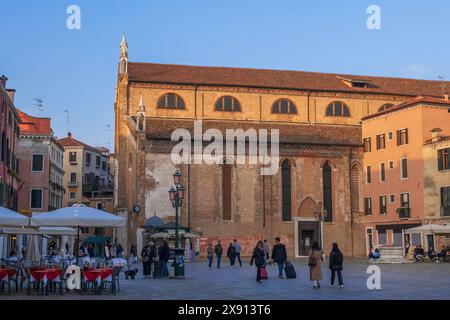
[[320, 167]]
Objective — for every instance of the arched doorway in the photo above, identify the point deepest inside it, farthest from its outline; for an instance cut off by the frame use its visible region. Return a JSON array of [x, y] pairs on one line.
[[307, 228]]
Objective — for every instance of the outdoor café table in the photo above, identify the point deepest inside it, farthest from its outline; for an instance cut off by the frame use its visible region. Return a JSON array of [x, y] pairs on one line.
[[7, 273], [44, 275], [97, 275]]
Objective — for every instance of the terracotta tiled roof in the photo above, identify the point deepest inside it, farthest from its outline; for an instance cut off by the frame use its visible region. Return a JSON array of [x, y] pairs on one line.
[[69, 141], [30, 125], [157, 128], [409, 103], [280, 79]]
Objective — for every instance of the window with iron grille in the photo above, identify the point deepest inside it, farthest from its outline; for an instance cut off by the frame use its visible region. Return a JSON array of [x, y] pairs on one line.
[[286, 190], [327, 192]]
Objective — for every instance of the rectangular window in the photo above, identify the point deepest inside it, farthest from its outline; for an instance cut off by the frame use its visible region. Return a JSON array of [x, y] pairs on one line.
[[390, 136], [404, 200], [368, 174], [368, 206], [381, 141], [392, 198], [445, 201], [72, 157], [73, 177], [36, 199], [73, 195], [104, 166], [382, 172], [97, 161], [367, 145], [88, 159], [391, 164], [37, 164], [443, 159], [402, 137], [383, 207], [404, 168]]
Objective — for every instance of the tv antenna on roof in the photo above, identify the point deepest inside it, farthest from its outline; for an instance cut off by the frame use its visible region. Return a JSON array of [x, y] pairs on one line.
[[67, 120], [108, 142], [39, 103], [443, 85]]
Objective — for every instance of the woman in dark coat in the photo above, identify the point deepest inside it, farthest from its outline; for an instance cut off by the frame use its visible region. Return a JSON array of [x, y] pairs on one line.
[[259, 258], [231, 254], [335, 265]]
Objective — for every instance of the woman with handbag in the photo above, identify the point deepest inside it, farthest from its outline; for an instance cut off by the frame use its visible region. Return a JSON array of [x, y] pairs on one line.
[[315, 257], [259, 258]]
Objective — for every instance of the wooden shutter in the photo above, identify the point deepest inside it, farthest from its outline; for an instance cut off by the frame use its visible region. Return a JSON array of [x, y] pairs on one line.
[[440, 159], [399, 137], [406, 136]]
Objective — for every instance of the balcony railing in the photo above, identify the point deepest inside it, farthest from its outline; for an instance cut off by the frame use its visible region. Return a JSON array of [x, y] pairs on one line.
[[73, 183], [404, 213], [445, 211]]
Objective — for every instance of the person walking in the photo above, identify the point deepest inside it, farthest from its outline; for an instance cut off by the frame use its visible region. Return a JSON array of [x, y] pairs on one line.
[[259, 258], [237, 247], [146, 265], [315, 257], [210, 254], [231, 254], [218, 250], [279, 255], [266, 252], [335, 265], [164, 255]]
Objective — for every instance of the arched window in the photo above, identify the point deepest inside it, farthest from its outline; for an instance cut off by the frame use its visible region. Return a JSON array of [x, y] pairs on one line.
[[227, 103], [338, 109], [226, 190], [284, 106], [355, 194], [171, 101], [327, 192], [286, 190], [385, 107]]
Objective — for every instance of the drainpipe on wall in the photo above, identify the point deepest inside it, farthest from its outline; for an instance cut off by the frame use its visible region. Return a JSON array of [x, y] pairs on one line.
[[350, 157]]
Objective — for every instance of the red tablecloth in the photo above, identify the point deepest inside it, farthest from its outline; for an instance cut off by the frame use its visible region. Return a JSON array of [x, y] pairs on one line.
[[93, 274], [51, 274], [7, 272]]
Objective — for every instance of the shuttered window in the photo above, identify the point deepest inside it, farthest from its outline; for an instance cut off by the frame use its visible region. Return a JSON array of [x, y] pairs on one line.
[[402, 137], [443, 159]]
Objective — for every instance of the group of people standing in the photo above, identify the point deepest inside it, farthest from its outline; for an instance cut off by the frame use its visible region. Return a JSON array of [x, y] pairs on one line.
[[153, 256], [261, 257], [96, 250]]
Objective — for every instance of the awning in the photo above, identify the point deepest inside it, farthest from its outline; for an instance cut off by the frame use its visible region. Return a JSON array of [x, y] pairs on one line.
[[41, 231], [9, 218], [430, 228], [396, 228]]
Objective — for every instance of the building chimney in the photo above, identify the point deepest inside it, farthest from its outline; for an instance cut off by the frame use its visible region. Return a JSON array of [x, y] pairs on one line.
[[69, 134], [446, 96], [436, 134], [3, 80], [11, 94]]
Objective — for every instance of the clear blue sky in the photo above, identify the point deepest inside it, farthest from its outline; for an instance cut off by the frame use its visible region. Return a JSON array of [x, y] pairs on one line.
[[76, 69]]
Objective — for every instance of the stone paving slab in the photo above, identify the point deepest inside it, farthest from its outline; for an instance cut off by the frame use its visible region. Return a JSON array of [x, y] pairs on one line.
[[398, 281]]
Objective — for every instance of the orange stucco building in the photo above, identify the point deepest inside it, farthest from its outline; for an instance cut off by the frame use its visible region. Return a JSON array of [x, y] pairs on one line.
[[394, 166]]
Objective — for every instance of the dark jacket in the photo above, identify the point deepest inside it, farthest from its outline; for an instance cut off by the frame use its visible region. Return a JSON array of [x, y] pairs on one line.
[[231, 252], [164, 253], [258, 257], [336, 260], [279, 254], [218, 250]]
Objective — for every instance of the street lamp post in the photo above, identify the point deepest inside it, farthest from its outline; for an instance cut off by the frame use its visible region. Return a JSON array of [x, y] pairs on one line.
[[176, 196]]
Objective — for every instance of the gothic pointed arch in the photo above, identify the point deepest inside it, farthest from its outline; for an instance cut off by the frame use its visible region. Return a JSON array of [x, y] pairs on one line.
[[308, 208]]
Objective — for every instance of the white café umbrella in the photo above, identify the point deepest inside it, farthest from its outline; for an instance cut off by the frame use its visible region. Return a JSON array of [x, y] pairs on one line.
[[430, 228], [78, 216], [12, 219]]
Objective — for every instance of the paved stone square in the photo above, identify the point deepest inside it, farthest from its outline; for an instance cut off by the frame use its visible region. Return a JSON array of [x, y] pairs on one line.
[[406, 281]]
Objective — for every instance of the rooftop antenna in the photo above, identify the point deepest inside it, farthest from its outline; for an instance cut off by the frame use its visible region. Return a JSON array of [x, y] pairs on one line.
[[67, 120], [39, 103], [443, 84], [108, 130]]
